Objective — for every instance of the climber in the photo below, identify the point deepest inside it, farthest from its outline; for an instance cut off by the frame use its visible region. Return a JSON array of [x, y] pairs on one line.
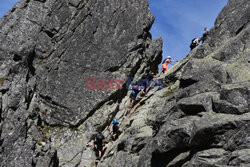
[[195, 42], [165, 63], [135, 90], [205, 34], [149, 77], [115, 123], [98, 144]]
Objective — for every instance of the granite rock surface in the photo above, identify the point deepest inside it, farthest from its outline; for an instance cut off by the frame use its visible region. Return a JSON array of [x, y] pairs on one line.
[[64, 73]]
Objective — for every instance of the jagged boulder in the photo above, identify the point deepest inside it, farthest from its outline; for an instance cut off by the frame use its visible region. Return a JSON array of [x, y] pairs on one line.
[[201, 116], [210, 121], [49, 50], [197, 116]]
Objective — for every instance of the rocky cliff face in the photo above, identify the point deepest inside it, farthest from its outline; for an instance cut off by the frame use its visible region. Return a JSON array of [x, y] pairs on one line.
[[49, 115], [49, 49]]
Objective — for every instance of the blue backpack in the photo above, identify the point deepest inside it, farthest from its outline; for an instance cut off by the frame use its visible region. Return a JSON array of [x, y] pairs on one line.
[[115, 122]]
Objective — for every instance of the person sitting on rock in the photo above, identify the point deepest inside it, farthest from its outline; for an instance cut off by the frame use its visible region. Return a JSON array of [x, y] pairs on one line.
[[195, 42], [115, 123], [205, 34], [98, 144], [164, 66], [135, 90]]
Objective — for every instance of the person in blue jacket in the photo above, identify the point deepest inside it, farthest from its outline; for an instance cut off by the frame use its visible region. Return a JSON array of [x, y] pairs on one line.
[[135, 90], [115, 123]]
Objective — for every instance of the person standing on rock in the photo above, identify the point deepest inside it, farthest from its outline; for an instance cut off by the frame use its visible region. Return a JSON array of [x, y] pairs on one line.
[[164, 66], [115, 123], [98, 144], [205, 34]]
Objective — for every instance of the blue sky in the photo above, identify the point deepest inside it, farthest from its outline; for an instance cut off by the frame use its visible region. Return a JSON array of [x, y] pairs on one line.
[[6, 5], [179, 21], [176, 21]]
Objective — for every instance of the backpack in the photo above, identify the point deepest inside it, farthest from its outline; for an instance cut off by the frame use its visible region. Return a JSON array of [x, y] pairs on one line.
[[135, 87], [193, 43], [163, 61], [99, 138], [115, 122]]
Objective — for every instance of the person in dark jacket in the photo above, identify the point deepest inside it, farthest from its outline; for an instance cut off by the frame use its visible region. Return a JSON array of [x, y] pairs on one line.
[[98, 144], [205, 34], [195, 42]]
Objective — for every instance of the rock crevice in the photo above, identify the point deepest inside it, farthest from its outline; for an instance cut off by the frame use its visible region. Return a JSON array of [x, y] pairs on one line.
[[51, 109]]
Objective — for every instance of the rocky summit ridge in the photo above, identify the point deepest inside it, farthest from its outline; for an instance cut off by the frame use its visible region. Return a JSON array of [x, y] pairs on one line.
[[51, 53]]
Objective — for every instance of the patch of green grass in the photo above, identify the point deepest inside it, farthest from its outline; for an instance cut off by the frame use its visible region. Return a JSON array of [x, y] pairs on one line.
[[42, 60], [53, 112], [35, 139], [2, 81], [73, 129], [170, 92], [38, 127], [83, 4], [43, 112]]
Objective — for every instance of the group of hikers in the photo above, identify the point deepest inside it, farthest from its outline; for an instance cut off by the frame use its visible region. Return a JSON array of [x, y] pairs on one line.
[[140, 86], [143, 85], [195, 42]]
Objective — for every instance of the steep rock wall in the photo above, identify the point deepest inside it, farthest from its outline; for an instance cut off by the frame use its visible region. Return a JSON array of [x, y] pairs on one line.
[[48, 117], [201, 116], [49, 48]]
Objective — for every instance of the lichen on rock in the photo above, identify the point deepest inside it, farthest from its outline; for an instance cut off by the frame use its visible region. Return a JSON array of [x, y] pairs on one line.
[[50, 111]]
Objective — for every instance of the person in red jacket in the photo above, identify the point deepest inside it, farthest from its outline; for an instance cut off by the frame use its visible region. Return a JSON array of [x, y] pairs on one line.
[[164, 66]]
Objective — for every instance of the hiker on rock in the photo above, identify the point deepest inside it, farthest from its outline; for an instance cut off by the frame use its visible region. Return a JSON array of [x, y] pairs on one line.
[[115, 123], [149, 77], [164, 66], [205, 34], [195, 42], [98, 144], [135, 90]]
